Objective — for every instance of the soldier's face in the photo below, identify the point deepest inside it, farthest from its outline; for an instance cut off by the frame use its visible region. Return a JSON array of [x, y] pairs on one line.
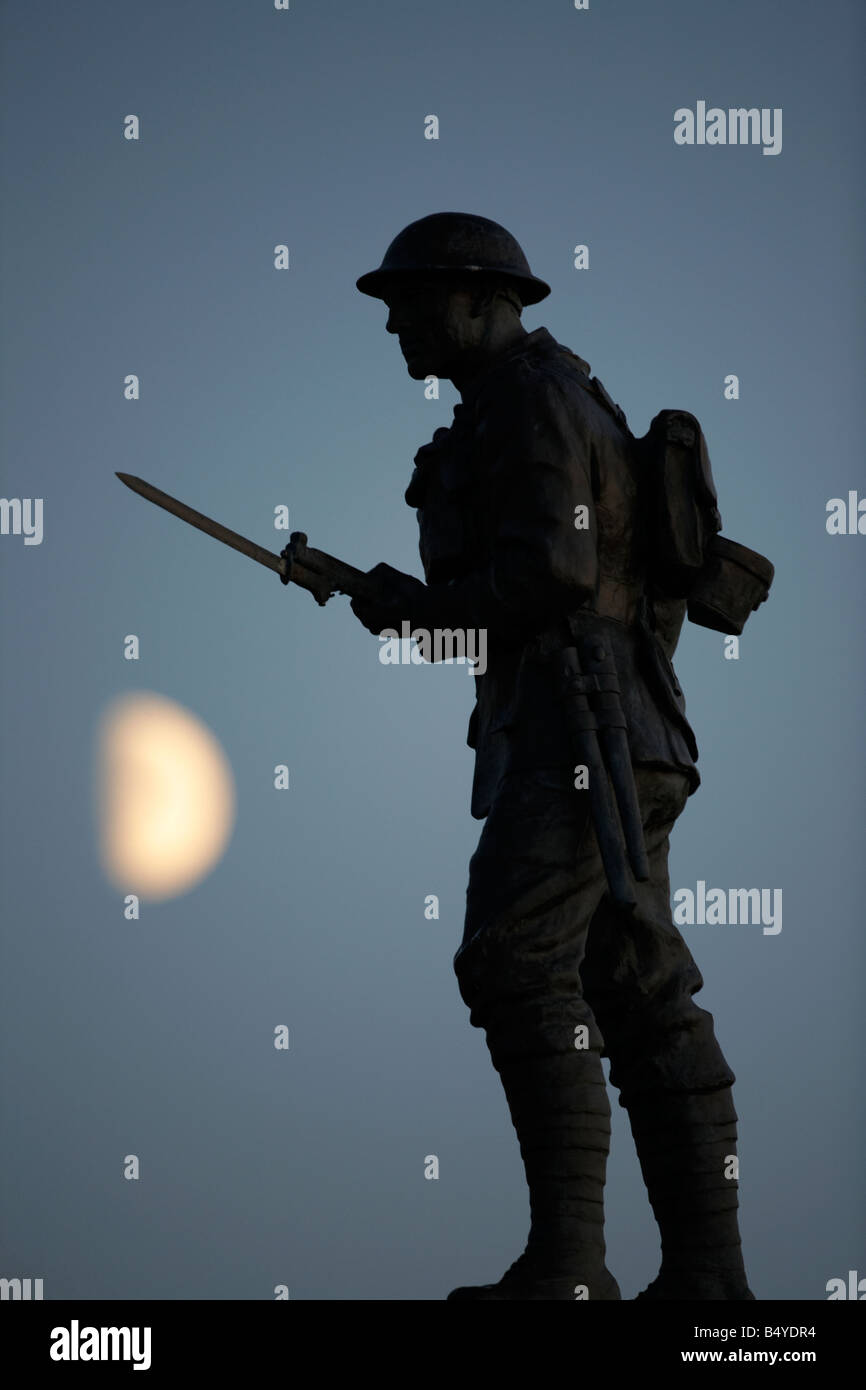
[[436, 325]]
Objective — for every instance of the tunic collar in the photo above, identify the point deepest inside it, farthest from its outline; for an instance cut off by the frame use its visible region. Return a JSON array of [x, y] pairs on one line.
[[539, 339]]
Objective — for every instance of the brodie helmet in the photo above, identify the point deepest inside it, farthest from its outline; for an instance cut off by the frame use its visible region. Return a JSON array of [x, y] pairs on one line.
[[459, 243]]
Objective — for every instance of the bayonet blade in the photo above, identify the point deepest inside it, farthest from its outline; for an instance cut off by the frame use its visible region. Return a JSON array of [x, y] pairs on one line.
[[204, 523], [314, 570]]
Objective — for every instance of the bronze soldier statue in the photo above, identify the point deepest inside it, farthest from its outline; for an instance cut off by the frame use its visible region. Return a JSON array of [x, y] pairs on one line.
[[579, 549]]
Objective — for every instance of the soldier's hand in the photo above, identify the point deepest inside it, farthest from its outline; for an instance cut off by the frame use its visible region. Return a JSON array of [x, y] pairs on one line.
[[399, 597]]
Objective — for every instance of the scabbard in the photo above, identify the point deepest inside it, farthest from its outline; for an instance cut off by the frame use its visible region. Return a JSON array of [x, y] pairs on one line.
[[598, 665], [584, 730]]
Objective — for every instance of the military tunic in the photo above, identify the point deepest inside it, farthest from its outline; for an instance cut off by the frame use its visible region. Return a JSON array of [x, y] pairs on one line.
[[530, 510]]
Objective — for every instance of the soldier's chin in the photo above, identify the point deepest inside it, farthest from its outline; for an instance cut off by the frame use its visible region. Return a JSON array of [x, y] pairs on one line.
[[415, 370]]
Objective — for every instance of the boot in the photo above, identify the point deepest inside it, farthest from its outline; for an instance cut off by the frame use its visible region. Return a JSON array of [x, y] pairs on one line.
[[561, 1113], [685, 1141]]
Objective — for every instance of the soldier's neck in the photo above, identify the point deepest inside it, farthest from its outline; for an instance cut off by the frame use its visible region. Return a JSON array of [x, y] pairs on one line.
[[496, 345]]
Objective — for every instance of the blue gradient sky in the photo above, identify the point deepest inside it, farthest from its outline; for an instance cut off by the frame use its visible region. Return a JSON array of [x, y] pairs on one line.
[[258, 388]]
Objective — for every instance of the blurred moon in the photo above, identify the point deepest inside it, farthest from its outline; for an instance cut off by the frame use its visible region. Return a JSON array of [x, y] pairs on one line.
[[166, 796]]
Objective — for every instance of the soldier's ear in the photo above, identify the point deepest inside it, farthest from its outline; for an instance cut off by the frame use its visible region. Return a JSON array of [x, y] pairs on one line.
[[482, 298]]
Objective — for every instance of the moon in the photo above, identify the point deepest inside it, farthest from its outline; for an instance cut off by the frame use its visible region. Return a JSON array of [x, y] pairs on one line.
[[166, 796]]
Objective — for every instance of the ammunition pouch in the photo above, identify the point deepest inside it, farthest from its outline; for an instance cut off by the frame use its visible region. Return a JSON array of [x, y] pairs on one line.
[[722, 581], [733, 583]]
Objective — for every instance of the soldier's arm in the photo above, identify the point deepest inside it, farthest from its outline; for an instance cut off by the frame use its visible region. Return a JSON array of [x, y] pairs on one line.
[[544, 561]]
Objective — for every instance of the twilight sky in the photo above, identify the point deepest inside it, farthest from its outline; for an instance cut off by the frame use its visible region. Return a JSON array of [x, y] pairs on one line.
[[261, 387]]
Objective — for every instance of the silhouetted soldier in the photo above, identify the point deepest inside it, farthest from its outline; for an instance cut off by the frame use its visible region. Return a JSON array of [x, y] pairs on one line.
[[541, 521]]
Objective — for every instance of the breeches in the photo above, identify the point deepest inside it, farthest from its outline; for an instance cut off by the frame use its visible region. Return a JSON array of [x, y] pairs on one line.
[[549, 962]]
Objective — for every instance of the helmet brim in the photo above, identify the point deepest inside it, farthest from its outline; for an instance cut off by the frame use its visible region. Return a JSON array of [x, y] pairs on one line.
[[377, 282]]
